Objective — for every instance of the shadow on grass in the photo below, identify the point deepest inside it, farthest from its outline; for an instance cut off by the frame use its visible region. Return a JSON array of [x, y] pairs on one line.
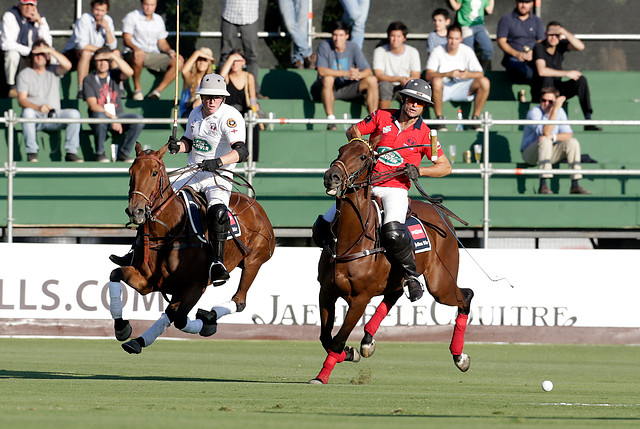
[[46, 375]]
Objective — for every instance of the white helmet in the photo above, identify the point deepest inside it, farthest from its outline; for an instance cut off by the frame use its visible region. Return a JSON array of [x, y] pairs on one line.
[[418, 88], [213, 84]]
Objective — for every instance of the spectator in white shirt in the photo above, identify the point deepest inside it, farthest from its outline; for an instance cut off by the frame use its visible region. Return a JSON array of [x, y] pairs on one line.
[[146, 45], [395, 64], [90, 32], [21, 26]]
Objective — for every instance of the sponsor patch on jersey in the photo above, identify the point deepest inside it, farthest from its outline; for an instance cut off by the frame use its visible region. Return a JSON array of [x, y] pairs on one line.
[[392, 159], [201, 145], [386, 129], [368, 119], [231, 123]]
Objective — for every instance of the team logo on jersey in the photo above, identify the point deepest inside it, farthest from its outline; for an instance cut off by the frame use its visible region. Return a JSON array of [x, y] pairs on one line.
[[201, 145], [231, 123], [392, 159], [386, 129]]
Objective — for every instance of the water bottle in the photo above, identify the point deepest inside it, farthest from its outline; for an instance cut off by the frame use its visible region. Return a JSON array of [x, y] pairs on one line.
[[459, 127]]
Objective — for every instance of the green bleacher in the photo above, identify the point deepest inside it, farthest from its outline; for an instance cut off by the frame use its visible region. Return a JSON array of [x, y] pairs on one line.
[[294, 200]]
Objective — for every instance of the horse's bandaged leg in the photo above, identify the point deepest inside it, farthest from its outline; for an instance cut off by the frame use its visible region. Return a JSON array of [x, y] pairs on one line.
[[457, 341], [228, 307], [115, 300], [329, 363], [156, 330], [381, 312], [193, 326]]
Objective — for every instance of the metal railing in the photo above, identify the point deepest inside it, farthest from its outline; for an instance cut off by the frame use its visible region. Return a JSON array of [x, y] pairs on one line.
[[485, 170]]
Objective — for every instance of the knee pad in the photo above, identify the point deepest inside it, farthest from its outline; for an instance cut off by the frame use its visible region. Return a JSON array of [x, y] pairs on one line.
[[396, 236]]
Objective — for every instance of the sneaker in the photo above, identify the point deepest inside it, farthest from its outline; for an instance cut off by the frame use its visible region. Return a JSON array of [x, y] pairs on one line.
[[475, 127], [72, 157], [592, 128], [439, 127], [332, 127], [137, 95], [310, 61], [125, 158], [579, 190], [155, 95], [32, 157], [544, 189], [101, 158]]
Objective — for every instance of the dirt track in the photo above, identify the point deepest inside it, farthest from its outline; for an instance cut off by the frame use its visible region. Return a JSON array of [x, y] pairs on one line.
[[480, 334]]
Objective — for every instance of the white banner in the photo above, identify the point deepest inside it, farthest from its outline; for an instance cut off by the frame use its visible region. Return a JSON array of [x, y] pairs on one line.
[[550, 288]]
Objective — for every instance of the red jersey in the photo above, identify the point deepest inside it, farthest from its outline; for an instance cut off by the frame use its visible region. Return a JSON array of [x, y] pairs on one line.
[[384, 123]]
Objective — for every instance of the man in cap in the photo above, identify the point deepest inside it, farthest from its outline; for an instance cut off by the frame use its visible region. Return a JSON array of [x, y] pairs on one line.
[[215, 137], [393, 129], [21, 26]]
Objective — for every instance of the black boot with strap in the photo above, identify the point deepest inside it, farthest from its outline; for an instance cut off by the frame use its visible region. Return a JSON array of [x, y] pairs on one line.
[[399, 246], [218, 223]]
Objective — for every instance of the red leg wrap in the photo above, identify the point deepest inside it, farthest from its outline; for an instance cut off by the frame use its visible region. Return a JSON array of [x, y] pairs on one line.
[[381, 312], [329, 364], [457, 341]]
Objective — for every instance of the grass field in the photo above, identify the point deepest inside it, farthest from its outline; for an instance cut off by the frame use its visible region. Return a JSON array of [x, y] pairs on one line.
[[64, 383]]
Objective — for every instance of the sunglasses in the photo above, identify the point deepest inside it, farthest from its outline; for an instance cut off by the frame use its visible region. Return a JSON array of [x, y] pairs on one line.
[[417, 101], [202, 59], [211, 97], [547, 100], [553, 35]]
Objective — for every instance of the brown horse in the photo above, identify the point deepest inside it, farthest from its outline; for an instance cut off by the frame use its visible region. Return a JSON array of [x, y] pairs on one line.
[[355, 268], [168, 259]]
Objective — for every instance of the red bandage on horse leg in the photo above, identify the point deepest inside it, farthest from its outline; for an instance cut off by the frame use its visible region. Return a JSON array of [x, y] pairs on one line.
[[381, 312], [457, 341], [329, 364]]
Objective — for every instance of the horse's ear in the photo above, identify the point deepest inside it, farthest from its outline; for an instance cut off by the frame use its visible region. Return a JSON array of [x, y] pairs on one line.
[[138, 148], [162, 150]]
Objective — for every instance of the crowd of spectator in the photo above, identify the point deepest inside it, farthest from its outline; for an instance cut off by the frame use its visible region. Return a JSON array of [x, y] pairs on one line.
[[459, 50]]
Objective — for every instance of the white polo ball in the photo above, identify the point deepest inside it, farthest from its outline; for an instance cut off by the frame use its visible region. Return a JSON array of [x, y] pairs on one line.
[[547, 386]]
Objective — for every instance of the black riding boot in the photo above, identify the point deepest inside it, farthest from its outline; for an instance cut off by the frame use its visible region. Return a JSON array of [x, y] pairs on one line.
[[218, 222], [321, 232], [123, 261], [399, 245]]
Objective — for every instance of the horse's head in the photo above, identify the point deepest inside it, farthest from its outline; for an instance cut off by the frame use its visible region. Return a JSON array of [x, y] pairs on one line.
[[354, 162], [147, 183]]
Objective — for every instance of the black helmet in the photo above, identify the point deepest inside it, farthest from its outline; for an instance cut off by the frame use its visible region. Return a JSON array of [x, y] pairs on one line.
[[418, 88]]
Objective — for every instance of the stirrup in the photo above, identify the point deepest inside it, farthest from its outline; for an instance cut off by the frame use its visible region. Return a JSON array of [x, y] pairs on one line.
[[414, 287], [218, 274]]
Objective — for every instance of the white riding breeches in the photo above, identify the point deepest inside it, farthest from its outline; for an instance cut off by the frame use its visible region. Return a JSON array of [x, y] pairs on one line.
[[395, 203], [216, 188]]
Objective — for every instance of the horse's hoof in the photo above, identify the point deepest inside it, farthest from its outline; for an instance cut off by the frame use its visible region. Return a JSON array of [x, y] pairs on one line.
[[462, 361], [132, 347], [367, 349], [123, 329], [352, 354], [317, 381], [209, 322]]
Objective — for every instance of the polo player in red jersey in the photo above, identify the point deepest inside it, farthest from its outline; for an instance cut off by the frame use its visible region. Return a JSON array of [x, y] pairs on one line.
[[397, 129]]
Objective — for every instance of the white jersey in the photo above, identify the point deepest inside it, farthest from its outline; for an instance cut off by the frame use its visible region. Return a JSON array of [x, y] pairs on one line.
[[442, 62], [213, 136]]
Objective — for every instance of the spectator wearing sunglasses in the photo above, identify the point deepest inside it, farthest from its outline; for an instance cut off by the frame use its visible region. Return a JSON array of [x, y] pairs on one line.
[[548, 144], [548, 56]]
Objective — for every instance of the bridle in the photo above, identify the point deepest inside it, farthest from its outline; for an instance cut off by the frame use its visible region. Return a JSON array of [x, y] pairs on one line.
[[349, 181], [155, 200]]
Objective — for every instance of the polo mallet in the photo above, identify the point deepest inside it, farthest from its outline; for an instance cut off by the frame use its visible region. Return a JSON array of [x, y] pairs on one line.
[[434, 145], [176, 106]]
